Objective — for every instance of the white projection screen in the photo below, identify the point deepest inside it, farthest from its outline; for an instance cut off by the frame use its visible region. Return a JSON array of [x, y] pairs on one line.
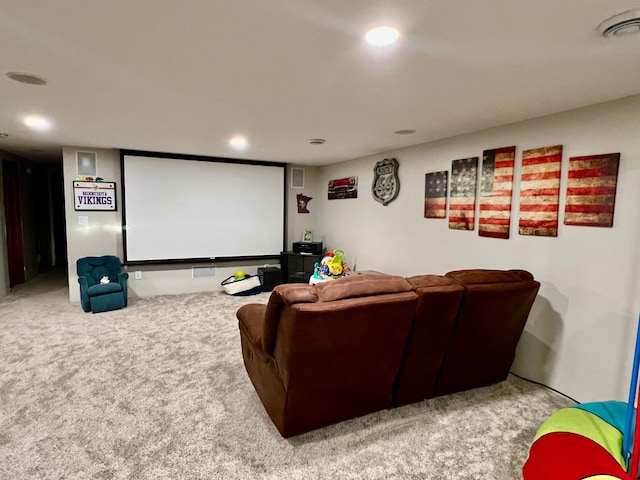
[[186, 209]]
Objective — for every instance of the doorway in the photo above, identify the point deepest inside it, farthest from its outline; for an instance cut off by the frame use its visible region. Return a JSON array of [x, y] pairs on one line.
[[13, 216]]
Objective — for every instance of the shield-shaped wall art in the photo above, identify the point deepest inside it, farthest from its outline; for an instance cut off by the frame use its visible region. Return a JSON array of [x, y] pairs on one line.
[[386, 184]]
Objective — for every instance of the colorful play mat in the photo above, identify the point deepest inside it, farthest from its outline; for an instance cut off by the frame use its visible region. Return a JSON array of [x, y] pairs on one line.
[[590, 441], [580, 442]]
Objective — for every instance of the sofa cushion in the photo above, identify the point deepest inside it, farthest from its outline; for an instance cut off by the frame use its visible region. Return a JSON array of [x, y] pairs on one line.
[[363, 285], [104, 288], [428, 281], [489, 276]]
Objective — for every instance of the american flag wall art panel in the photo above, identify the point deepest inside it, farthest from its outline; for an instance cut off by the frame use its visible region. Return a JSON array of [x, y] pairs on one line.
[[462, 199], [496, 188], [540, 191], [591, 190], [435, 194]]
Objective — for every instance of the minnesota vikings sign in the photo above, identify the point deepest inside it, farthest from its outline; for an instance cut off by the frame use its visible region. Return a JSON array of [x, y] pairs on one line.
[[386, 184], [94, 196]]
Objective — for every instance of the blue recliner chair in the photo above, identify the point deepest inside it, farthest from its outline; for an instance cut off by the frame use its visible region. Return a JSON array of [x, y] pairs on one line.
[[101, 297]]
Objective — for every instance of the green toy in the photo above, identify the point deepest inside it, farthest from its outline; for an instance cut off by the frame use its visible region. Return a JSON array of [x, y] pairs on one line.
[[335, 264]]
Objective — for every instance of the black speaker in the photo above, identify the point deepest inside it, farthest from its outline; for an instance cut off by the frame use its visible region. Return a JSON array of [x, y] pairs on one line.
[[269, 277]]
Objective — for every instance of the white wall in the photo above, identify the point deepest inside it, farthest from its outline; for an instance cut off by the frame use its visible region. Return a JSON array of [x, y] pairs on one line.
[[580, 335], [297, 223], [103, 235]]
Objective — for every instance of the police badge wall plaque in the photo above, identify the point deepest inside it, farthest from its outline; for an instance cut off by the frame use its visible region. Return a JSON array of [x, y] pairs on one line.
[[386, 184]]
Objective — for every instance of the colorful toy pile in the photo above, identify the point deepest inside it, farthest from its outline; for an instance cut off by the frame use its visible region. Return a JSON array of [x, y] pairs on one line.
[[580, 442], [599, 440], [331, 267]]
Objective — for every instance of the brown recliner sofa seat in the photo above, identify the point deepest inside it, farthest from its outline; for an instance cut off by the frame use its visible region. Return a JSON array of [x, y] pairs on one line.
[[318, 355], [438, 303], [492, 315]]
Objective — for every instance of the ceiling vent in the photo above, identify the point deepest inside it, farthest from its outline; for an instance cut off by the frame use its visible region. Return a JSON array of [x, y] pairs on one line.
[[316, 141], [621, 25]]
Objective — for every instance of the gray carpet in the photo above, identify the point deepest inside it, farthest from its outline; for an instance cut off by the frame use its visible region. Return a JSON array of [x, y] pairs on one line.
[[158, 391]]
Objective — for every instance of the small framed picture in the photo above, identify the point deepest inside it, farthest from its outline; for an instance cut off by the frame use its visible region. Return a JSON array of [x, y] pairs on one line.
[[307, 236]]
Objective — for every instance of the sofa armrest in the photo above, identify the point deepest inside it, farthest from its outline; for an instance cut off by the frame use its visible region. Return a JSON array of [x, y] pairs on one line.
[[285, 294], [251, 319], [292, 293], [251, 322], [523, 274]]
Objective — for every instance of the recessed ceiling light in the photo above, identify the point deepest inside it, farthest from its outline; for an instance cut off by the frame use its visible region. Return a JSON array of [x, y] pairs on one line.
[[407, 131], [239, 142], [27, 78], [316, 141], [621, 25], [37, 122], [382, 36]]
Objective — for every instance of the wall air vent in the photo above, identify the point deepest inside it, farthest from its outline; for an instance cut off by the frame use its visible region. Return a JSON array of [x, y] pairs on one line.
[[197, 272]]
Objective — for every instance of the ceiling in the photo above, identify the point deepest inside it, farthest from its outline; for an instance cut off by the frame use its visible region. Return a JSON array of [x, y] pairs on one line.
[[185, 76]]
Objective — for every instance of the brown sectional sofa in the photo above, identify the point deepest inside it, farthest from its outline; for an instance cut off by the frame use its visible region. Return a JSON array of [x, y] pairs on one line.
[[321, 354], [492, 315], [438, 302]]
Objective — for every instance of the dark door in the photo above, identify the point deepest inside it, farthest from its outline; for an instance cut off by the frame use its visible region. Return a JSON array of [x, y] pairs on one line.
[[57, 208], [11, 189], [42, 197]]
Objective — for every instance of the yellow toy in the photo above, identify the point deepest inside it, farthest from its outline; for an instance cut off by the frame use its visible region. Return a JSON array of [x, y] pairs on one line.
[[335, 264], [335, 269]]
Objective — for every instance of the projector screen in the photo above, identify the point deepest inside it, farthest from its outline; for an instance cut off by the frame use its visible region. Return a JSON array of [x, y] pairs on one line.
[[185, 209]]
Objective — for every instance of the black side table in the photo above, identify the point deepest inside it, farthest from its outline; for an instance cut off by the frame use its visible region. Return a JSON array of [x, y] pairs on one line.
[[298, 267]]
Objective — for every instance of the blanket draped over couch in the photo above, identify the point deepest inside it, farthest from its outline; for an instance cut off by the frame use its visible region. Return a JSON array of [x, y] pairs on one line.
[[321, 354]]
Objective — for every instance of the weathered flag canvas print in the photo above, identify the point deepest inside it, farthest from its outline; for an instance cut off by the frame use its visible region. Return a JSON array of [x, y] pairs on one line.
[[540, 191], [435, 195], [591, 190], [496, 188], [462, 200]]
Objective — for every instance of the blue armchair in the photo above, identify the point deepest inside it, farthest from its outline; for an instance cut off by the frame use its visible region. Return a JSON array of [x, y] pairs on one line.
[[100, 297]]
